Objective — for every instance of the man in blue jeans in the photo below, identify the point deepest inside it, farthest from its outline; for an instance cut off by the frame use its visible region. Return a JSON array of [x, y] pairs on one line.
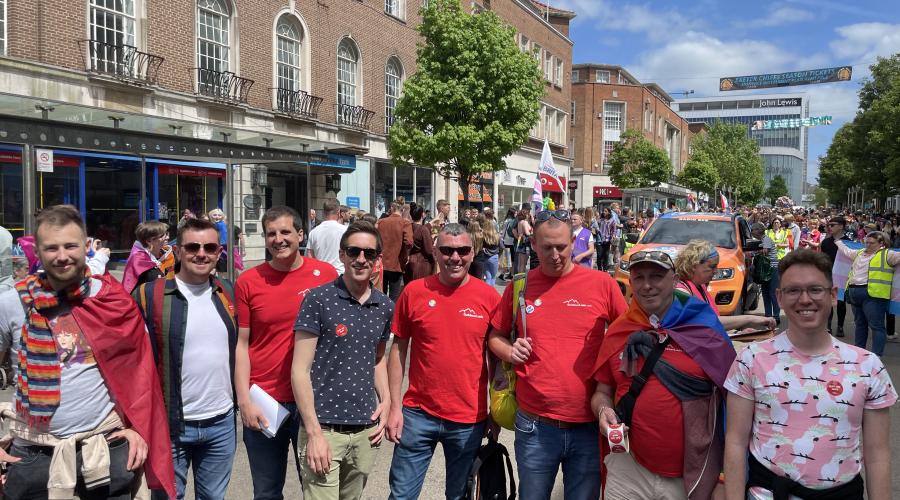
[[190, 319], [446, 399], [567, 309]]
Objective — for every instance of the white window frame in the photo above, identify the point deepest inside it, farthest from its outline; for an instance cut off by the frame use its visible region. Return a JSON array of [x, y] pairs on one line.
[[538, 52], [395, 82], [289, 73], [606, 153], [598, 79], [622, 80], [224, 58], [395, 8], [4, 23], [524, 43], [558, 76], [352, 69], [618, 116], [548, 66]]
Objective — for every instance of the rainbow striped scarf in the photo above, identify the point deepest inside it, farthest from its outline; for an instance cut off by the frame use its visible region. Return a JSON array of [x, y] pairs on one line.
[[37, 392]]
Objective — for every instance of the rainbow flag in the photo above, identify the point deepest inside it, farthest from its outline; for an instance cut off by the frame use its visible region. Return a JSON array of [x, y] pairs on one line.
[[840, 273]]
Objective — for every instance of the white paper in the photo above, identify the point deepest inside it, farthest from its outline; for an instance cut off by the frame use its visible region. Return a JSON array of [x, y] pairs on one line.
[[274, 412]]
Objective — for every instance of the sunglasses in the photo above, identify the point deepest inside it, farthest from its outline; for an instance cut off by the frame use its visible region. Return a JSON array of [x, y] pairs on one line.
[[448, 251], [195, 247], [653, 255], [545, 215], [353, 253]]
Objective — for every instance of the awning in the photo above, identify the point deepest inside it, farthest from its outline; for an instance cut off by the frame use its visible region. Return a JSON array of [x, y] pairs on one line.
[[549, 183]]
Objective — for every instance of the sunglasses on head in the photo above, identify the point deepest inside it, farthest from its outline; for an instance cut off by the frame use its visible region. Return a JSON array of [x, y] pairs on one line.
[[448, 251], [353, 252], [545, 215], [195, 247]]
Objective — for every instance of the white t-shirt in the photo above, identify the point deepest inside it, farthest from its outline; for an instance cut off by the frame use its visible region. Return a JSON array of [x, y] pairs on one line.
[[205, 370], [325, 242]]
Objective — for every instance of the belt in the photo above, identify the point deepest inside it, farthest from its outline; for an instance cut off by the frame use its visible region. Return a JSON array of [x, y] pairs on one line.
[[347, 428], [560, 424], [857, 286]]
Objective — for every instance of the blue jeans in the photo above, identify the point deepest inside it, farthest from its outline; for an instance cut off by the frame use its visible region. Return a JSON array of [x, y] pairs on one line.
[[490, 269], [770, 301], [268, 456], [207, 447], [868, 312], [541, 448], [421, 433]]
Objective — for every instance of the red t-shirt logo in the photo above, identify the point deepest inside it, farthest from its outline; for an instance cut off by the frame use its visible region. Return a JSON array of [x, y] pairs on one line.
[[340, 330]]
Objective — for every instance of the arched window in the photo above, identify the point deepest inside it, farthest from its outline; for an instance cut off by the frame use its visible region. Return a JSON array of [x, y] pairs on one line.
[[213, 36], [393, 80], [347, 74], [289, 37]]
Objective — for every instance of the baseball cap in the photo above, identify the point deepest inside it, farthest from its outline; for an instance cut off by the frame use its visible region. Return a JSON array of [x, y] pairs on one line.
[[661, 259]]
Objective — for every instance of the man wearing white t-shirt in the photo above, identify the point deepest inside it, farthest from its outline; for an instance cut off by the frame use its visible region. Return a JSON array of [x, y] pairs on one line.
[[325, 240], [190, 319]]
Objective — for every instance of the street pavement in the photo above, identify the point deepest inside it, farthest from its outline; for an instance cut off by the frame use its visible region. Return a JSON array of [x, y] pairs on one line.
[[241, 487]]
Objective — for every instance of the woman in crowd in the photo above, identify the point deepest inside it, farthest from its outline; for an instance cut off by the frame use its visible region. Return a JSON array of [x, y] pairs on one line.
[[696, 265], [150, 256], [477, 235], [523, 238], [604, 230], [490, 249], [421, 255], [780, 237], [582, 247], [509, 244]]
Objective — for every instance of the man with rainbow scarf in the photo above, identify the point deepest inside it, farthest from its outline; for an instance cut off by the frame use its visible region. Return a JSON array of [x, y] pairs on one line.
[[672, 410]]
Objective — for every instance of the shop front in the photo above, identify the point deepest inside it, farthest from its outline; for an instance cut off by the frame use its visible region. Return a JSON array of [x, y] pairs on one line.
[[390, 183], [605, 196], [554, 190], [515, 188]]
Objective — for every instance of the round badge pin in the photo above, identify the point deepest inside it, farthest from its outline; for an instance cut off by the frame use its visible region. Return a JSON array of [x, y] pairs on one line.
[[834, 388], [316, 272], [538, 302], [432, 303], [340, 330], [529, 309]]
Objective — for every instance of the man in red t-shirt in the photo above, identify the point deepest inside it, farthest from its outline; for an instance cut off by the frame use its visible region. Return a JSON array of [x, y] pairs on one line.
[[445, 317], [268, 298], [567, 309]]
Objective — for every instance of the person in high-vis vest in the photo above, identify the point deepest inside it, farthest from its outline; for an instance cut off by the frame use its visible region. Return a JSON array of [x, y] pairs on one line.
[[869, 287], [781, 237]]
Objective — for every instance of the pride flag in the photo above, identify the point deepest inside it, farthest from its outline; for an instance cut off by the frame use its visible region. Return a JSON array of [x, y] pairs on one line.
[[840, 274]]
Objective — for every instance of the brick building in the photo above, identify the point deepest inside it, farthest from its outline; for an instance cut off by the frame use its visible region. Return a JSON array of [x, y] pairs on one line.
[[132, 109], [606, 101]]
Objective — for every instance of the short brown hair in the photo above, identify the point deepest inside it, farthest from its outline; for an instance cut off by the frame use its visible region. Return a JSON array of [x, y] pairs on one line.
[[59, 216], [146, 231], [361, 226], [280, 211], [194, 225], [331, 206], [818, 260]]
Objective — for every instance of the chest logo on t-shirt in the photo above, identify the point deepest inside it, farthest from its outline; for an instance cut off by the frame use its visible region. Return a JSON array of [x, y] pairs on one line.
[[340, 330], [432, 303], [470, 313], [575, 303], [834, 388], [303, 292]]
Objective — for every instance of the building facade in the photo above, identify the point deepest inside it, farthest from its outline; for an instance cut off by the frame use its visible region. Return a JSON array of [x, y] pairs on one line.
[[606, 101], [142, 109], [772, 120]]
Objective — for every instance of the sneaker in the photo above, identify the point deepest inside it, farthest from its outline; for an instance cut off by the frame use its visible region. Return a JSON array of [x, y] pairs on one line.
[[893, 338]]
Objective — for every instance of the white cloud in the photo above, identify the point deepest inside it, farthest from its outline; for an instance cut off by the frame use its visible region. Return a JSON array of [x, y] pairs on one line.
[[862, 42], [779, 16], [656, 24]]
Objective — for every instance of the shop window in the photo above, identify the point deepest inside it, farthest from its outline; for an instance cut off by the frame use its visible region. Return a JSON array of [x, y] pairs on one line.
[[424, 195], [112, 201], [393, 80], [347, 78], [213, 36], [188, 188], [288, 40], [12, 193]]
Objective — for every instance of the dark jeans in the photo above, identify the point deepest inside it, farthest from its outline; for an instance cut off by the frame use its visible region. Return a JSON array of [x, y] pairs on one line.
[[770, 301], [841, 314], [602, 255], [868, 312], [268, 456], [27, 479], [393, 284]]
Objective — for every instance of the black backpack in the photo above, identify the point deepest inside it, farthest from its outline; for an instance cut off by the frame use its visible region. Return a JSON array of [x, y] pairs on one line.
[[487, 480]]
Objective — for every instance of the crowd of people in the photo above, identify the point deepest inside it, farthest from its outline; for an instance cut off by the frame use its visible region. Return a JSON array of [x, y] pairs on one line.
[[124, 389]]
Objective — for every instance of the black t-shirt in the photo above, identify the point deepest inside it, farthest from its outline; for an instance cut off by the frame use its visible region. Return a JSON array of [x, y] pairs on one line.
[[830, 247]]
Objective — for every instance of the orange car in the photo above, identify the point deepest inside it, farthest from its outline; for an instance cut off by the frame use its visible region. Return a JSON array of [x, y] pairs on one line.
[[732, 288]]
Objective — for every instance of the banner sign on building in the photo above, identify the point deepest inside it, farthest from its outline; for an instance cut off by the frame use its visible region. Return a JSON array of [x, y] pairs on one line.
[[791, 78], [779, 103], [812, 121]]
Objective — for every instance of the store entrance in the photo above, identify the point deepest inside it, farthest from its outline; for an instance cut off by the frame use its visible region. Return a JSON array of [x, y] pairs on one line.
[[183, 188]]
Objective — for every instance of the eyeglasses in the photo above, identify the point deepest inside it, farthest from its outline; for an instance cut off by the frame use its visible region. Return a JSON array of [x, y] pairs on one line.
[[195, 247], [814, 292], [353, 253], [545, 215], [448, 251]]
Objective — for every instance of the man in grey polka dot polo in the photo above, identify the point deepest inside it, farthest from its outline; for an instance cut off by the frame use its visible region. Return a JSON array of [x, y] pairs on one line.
[[339, 372]]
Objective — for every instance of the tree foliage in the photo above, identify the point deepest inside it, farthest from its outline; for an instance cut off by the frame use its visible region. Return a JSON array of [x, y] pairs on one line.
[[777, 188], [735, 156], [636, 162], [473, 98], [699, 173], [866, 151]]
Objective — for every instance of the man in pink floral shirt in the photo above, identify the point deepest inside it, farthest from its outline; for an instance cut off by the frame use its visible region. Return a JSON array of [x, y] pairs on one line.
[[801, 401]]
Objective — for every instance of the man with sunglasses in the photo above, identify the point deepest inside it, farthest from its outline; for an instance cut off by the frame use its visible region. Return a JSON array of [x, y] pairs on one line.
[[566, 310], [800, 402], [191, 321], [836, 232], [445, 402], [339, 372]]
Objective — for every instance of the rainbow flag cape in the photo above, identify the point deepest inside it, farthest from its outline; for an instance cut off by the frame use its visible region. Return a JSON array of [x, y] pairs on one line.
[[840, 274]]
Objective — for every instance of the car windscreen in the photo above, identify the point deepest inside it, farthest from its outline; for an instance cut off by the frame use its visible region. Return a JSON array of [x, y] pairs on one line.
[[680, 231]]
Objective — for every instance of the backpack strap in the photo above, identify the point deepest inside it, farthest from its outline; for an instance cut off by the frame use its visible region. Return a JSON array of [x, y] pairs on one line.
[[625, 407], [479, 461]]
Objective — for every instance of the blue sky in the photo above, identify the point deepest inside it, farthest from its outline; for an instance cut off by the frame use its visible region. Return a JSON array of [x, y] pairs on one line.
[[689, 45]]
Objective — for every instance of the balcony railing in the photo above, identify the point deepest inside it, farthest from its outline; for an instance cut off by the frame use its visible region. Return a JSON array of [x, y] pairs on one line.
[[354, 116], [124, 62], [296, 102], [222, 85]]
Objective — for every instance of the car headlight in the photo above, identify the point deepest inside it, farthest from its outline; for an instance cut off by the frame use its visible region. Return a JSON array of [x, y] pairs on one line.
[[623, 266], [723, 274]]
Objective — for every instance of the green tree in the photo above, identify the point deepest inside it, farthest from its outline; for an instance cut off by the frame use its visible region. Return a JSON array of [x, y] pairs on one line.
[[636, 162], [777, 189], [736, 157], [836, 169], [699, 174], [821, 196], [473, 98]]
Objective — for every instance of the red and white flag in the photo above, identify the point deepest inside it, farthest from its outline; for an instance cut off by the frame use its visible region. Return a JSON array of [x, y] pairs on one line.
[[724, 201]]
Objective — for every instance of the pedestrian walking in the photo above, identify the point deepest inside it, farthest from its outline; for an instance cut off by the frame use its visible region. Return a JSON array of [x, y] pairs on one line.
[[151, 257], [836, 232], [421, 254], [396, 233], [491, 246], [582, 250], [324, 240]]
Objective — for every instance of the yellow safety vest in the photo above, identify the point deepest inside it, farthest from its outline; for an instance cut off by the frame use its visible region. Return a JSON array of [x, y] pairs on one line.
[[881, 275], [780, 252]]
